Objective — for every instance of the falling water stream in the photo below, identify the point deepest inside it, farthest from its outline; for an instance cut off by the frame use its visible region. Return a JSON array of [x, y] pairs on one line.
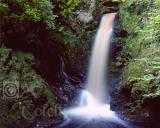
[[94, 103], [99, 59]]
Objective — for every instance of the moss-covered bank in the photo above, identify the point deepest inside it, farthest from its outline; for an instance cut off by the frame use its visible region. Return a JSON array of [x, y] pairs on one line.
[[24, 94], [141, 73]]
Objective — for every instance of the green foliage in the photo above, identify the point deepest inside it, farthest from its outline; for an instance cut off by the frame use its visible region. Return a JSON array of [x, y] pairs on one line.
[[16, 70], [67, 6], [141, 20], [119, 0], [77, 43], [124, 2], [3, 7], [158, 2], [129, 20], [35, 10], [46, 7], [32, 13]]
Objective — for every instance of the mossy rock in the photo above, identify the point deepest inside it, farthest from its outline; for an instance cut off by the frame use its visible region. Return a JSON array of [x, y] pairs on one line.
[[143, 77], [23, 91]]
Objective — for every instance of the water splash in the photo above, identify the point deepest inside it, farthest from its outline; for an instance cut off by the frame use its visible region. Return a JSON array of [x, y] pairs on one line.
[[89, 108]]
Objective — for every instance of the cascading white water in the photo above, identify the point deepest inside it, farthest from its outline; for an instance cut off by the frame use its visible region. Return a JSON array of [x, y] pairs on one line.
[[92, 100], [99, 59]]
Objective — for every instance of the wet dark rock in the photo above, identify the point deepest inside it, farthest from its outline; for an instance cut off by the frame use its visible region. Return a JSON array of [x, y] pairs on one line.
[[121, 103], [111, 6], [122, 33], [118, 100], [153, 104]]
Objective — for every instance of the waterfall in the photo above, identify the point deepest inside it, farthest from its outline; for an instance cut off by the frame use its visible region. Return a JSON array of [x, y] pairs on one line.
[[97, 71], [95, 94], [92, 103]]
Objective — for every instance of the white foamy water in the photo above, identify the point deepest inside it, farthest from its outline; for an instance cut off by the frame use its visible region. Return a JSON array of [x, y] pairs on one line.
[[89, 108], [93, 103]]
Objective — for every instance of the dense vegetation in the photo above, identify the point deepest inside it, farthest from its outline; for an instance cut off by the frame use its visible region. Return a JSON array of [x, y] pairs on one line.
[[141, 76], [39, 37]]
